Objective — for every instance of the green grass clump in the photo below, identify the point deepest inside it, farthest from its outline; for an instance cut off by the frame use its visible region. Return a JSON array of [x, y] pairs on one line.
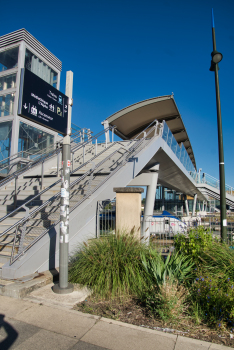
[[110, 265]]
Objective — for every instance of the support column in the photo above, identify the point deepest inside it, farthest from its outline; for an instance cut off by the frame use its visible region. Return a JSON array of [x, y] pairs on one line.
[[163, 199], [149, 201], [194, 204], [106, 125], [203, 205], [186, 206]]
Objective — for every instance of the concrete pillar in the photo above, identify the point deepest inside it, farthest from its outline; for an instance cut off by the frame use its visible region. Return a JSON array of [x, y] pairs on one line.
[[106, 125], [149, 201], [163, 199], [128, 210], [203, 205], [194, 204], [186, 206]]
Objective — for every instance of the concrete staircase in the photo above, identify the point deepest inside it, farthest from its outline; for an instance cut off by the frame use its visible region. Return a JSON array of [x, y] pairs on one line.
[[30, 185]]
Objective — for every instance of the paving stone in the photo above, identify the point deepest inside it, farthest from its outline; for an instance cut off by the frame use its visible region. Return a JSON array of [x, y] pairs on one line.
[[81, 345], [116, 337], [12, 307], [57, 320], [45, 340], [184, 343], [13, 333]]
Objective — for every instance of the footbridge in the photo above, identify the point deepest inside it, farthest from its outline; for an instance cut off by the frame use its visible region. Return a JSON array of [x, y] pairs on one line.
[[210, 187], [155, 148]]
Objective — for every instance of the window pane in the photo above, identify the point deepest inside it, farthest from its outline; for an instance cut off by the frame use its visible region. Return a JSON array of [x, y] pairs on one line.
[[33, 140], [7, 82], [7, 104], [9, 59], [38, 67], [5, 142]]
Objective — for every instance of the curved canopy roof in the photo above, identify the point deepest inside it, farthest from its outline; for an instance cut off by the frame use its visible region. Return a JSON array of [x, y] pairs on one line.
[[131, 120]]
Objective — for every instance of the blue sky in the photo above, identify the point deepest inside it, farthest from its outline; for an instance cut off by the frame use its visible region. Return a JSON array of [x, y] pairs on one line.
[[122, 52]]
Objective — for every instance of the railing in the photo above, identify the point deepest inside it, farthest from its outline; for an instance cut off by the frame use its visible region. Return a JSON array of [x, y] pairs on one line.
[[48, 213], [179, 151], [211, 181], [21, 159]]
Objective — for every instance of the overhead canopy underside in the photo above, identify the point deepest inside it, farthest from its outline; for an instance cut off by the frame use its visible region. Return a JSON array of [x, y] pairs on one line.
[[132, 120]]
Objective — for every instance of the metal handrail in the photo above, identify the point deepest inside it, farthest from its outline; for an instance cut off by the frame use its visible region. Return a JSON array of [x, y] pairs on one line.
[[124, 161], [49, 187], [44, 158]]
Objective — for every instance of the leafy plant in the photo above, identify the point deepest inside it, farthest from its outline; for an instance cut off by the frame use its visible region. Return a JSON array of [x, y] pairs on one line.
[[111, 265], [175, 267], [215, 295], [195, 242]]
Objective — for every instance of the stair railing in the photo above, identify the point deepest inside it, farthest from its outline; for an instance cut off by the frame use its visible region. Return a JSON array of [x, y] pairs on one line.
[[135, 146]]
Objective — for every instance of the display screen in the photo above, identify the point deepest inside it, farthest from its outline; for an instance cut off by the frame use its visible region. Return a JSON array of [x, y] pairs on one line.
[[42, 103]]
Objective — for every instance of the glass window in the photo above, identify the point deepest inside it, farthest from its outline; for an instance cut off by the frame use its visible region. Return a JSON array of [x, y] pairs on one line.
[[38, 67], [7, 104], [5, 141], [9, 59], [33, 140], [7, 82]]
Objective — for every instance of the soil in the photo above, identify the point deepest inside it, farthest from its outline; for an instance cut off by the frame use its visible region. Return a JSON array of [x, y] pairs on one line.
[[133, 312]]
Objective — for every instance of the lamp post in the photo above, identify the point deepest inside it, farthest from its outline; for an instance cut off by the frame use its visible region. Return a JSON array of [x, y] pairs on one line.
[[216, 57]]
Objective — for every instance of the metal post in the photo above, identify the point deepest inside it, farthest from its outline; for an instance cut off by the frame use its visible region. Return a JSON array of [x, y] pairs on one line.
[[214, 68], [58, 163], [96, 147], [194, 204], [15, 199], [64, 287], [42, 173]]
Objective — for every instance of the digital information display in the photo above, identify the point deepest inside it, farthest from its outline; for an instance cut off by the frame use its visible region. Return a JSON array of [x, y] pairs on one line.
[[42, 103]]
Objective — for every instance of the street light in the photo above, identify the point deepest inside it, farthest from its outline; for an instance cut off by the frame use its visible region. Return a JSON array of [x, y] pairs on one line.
[[217, 57]]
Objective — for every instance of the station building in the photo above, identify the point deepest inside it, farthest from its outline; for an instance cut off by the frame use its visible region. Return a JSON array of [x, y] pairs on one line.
[[18, 50]]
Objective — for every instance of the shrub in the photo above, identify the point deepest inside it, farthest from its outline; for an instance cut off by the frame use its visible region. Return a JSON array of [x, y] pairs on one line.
[[111, 266], [168, 301], [195, 242], [175, 267], [219, 259], [215, 295], [166, 293]]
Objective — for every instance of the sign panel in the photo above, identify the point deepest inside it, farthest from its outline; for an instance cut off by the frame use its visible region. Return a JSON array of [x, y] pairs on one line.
[[42, 103]]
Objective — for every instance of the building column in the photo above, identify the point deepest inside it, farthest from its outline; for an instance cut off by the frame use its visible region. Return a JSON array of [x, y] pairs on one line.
[[186, 206], [163, 199], [203, 205], [149, 202], [194, 204], [106, 125]]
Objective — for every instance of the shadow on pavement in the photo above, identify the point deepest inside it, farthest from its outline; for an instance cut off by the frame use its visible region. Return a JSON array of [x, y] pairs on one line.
[[12, 334]]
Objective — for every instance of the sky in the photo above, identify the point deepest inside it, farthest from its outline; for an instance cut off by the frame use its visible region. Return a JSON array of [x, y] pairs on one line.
[[122, 52]]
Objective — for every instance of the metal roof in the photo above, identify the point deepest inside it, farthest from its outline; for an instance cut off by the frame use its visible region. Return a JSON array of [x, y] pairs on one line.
[[24, 35], [131, 120]]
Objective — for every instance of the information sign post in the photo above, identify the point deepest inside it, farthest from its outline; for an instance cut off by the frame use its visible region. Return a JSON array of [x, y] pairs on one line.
[[64, 287]]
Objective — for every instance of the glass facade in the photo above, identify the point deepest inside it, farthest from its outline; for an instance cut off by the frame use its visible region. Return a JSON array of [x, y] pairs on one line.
[[5, 139], [38, 67], [7, 105], [9, 59], [7, 82], [33, 140]]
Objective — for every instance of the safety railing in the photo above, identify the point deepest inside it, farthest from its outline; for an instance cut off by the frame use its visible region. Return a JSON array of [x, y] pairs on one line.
[[178, 150], [211, 181], [22, 159], [41, 219]]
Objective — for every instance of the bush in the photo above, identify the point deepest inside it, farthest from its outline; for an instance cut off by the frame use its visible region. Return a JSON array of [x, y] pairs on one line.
[[166, 293], [219, 259], [195, 242], [111, 266], [215, 295]]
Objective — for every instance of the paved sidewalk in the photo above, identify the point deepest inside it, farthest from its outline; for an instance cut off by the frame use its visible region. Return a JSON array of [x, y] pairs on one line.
[[38, 324]]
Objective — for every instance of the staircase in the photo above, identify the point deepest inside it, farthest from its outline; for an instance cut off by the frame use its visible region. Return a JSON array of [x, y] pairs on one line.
[[31, 195]]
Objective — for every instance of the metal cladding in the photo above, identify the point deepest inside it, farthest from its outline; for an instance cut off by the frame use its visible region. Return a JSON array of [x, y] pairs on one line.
[[24, 35]]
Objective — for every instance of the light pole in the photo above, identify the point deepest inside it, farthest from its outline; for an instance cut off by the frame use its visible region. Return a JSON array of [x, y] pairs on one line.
[[216, 57]]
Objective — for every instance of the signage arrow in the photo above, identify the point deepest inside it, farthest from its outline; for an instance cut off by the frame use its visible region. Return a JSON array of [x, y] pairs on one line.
[[25, 106]]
